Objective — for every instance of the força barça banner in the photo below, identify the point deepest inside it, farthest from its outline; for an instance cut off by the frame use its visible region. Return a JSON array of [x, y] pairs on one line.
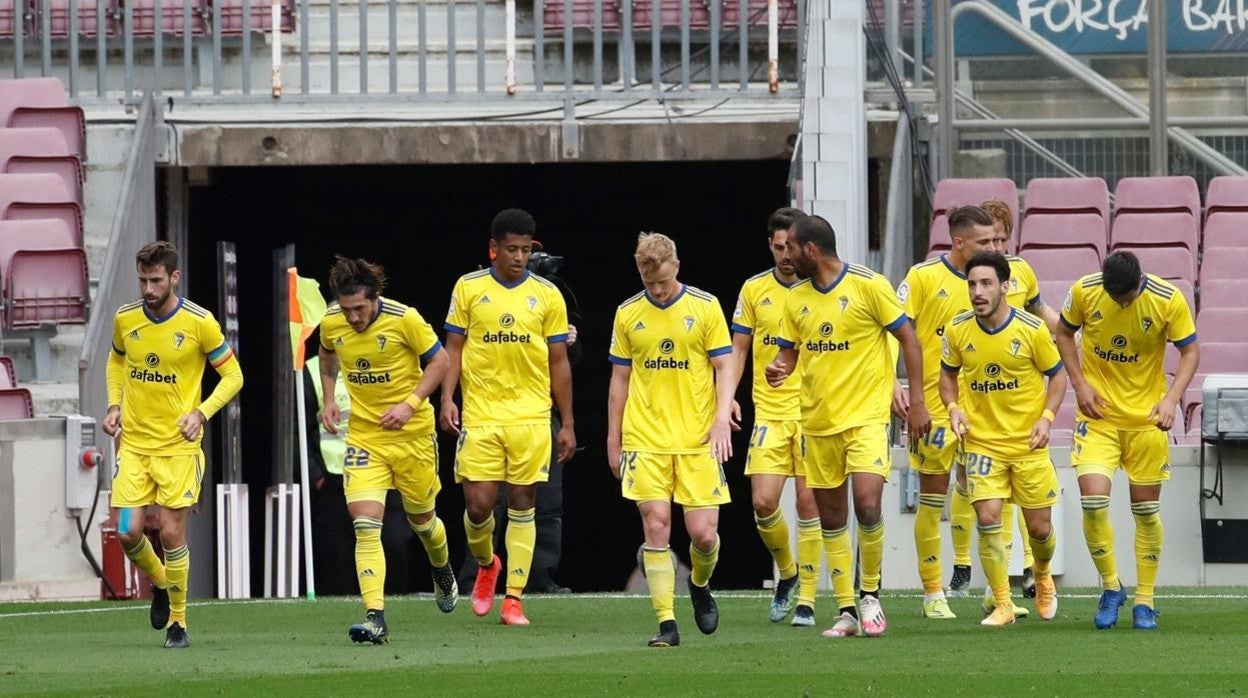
[[1101, 27]]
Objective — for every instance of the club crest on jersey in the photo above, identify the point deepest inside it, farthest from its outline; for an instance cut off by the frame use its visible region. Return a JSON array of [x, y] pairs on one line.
[[1015, 346], [532, 301], [178, 338], [1146, 323], [1013, 285], [381, 342], [844, 301], [689, 320]]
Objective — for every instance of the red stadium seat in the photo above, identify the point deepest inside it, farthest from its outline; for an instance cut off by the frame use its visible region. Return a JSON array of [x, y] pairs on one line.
[[234, 24], [88, 23], [173, 17], [1154, 230], [8, 20], [786, 13], [1226, 194], [1223, 293], [582, 15], [35, 150], [1057, 263], [1226, 229], [938, 238], [1068, 195], [1170, 263], [1225, 263], [1064, 230], [951, 193], [8, 374], [42, 102], [67, 167], [1053, 293], [16, 403], [45, 273], [1157, 195], [1223, 357], [669, 13], [34, 196], [1223, 324]]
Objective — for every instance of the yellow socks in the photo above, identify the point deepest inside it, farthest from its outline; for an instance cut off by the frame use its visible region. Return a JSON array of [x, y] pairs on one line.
[[370, 563], [145, 558], [178, 574], [840, 565], [480, 539], [871, 555], [1029, 558], [432, 535], [996, 564], [520, 537], [774, 531], [927, 540], [1044, 553], [661, 579], [962, 520], [1148, 538], [702, 564], [1007, 531], [809, 560], [1099, 534]]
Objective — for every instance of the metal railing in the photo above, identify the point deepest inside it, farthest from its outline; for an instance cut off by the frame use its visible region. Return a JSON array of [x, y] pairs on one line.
[[403, 50]]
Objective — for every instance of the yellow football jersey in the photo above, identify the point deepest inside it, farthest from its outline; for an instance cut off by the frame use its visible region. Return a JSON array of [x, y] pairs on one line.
[[1002, 390], [840, 333], [1023, 288], [381, 368], [932, 294], [158, 370], [507, 328], [1124, 349], [760, 308], [671, 390]]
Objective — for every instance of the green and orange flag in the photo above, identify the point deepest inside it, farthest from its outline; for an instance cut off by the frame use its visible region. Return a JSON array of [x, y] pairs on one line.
[[306, 307]]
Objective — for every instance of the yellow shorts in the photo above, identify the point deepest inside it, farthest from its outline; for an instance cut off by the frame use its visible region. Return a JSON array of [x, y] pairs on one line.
[[1030, 482], [689, 479], [935, 453], [830, 459], [775, 448], [411, 467], [170, 481], [518, 454], [1100, 449]]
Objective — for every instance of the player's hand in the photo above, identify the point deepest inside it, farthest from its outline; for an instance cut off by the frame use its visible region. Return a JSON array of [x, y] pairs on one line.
[[1040, 434], [396, 417], [720, 439], [571, 334], [734, 421], [565, 440], [957, 422], [112, 421], [918, 420], [615, 455], [1163, 413], [901, 400], [191, 424], [448, 417], [330, 416], [1091, 402], [776, 372]]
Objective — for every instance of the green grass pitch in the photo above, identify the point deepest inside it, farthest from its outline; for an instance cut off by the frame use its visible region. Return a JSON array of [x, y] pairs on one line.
[[595, 645]]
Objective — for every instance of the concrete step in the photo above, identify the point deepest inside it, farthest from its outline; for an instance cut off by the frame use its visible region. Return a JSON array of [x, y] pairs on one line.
[[65, 346], [55, 398]]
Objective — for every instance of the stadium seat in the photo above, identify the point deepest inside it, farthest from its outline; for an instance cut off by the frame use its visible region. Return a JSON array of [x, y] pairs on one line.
[[234, 24], [88, 24], [786, 13], [67, 167], [1053, 293], [1064, 230], [35, 196], [938, 238], [1170, 263], [582, 15], [34, 150], [1155, 230], [1157, 195], [951, 193], [669, 13], [8, 21], [1223, 324], [1193, 432], [173, 17], [1225, 263], [16, 403], [1068, 195], [44, 273], [8, 374], [1056, 263], [1226, 194], [42, 102], [1226, 229], [1223, 293]]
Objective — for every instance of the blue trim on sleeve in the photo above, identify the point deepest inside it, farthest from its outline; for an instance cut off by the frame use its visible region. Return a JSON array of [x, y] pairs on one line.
[[719, 351], [1071, 326], [619, 361], [1032, 302], [784, 343], [437, 347], [1050, 373], [950, 369], [556, 338], [742, 329], [892, 326], [454, 328], [1186, 340]]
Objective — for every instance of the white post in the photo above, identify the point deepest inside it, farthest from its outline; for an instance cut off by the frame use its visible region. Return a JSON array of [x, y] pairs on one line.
[[511, 45], [276, 9], [268, 544], [240, 535], [773, 46], [223, 545], [282, 536], [306, 490]]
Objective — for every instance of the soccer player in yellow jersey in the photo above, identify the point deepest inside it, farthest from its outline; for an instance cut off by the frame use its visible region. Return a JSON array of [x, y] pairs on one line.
[[1125, 412], [506, 332], [775, 442], [391, 441], [1023, 292], [160, 345], [836, 323], [1003, 355], [933, 293], [668, 425]]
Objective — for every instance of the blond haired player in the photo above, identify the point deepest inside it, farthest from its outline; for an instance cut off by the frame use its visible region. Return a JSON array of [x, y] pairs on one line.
[[668, 425]]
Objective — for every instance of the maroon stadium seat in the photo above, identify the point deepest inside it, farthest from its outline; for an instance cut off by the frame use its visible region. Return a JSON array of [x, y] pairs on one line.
[[938, 238], [1226, 194], [1225, 263], [1068, 195], [1053, 292], [173, 17], [35, 196], [45, 273], [1170, 263], [34, 150], [669, 13], [67, 167], [1222, 357], [42, 102], [15, 403], [786, 13], [1057, 263], [88, 24], [582, 15], [951, 193], [1157, 195], [234, 24], [1154, 230], [1226, 229], [1223, 325], [8, 19], [8, 374], [1064, 230], [1223, 293]]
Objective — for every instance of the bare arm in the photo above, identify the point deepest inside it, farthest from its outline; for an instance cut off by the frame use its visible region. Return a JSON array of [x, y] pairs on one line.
[[1189, 360], [918, 420], [948, 386], [435, 368], [782, 366], [1046, 313], [330, 412], [740, 352], [448, 416], [1053, 400], [720, 435], [617, 397], [1090, 402]]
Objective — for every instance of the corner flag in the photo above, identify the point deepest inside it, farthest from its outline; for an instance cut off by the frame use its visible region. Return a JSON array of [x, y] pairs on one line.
[[307, 307]]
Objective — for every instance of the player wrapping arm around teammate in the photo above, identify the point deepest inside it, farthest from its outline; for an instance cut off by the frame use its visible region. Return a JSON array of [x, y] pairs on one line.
[[669, 423], [379, 344], [155, 369]]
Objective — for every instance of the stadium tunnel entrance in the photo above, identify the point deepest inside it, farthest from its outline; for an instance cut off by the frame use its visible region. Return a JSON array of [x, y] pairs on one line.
[[428, 225]]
